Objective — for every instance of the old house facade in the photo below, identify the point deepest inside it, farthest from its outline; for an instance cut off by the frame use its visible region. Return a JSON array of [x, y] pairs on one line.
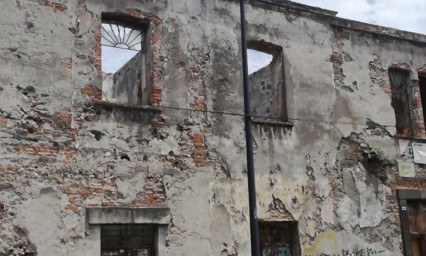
[[149, 159]]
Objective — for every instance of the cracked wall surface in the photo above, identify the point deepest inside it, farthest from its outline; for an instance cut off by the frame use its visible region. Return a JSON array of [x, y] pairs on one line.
[[63, 150]]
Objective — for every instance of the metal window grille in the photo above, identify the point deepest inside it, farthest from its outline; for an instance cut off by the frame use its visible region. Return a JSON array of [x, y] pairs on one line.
[[127, 240], [119, 35]]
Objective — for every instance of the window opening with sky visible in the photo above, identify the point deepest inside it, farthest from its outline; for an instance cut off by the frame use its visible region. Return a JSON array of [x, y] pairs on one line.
[[267, 85], [119, 45], [123, 46], [257, 60]]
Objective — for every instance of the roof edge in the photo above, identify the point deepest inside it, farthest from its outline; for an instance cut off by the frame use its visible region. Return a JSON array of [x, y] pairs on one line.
[[289, 6], [378, 30]]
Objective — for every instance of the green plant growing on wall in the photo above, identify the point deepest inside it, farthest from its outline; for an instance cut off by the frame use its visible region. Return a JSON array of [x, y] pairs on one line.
[[375, 162]]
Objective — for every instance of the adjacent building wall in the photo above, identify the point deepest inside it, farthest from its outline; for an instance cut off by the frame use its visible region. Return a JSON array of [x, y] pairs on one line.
[[261, 92], [63, 150]]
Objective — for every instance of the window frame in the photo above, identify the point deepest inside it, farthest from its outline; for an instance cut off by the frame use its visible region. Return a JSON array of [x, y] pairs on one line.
[[404, 196], [422, 92], [280, 226], [111, 242], [280, 99], [416, 112], [404, 128], [144, 25], [158, 216]]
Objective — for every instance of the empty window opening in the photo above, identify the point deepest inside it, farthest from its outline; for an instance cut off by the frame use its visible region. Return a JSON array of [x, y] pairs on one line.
[[124, 45], [267, 85], [399, 80], [279, 238], [128, 240], [422, 84]]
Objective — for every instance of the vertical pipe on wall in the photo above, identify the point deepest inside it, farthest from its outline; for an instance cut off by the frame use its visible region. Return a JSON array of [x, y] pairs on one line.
[[254, 232]]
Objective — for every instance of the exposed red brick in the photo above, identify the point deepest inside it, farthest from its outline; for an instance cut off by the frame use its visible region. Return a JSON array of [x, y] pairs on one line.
[[61, 120], [70, 152], [158, 125], [97, 59], [155, 20], [97, 190], [198, 139], [157, 35], [93, 92], [9, 168], [67, 63], [57, 7], [44, 150], [156, 96], [3, 121], [38, 150], [199, 105], [108, 204], [200, 157], [73, 208], [74, 132]]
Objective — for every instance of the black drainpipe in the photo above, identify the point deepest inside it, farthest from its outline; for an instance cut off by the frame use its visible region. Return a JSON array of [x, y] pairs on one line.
[[254, 230]]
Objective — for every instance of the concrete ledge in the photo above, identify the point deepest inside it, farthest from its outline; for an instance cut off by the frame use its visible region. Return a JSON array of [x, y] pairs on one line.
[[139, 107], [286, 6], [119, 215], [411, 194], [269, 121], [379, 30]]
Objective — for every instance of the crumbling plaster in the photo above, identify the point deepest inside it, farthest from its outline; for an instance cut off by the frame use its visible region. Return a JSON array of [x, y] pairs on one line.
[[61, 152]]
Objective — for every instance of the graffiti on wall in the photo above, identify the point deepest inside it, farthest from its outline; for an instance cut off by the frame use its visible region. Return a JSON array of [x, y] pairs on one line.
[[277, 251], [336, 244], [356, 251]]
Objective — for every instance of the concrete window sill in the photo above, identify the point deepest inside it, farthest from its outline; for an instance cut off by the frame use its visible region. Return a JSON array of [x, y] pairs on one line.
[[272, 122], [143, 108]]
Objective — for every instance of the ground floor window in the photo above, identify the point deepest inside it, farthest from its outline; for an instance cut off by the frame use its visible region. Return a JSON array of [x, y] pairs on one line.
[[279, 238], [128, 240]]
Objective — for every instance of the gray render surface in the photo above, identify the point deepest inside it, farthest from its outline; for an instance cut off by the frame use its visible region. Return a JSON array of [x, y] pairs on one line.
[[63, 152]]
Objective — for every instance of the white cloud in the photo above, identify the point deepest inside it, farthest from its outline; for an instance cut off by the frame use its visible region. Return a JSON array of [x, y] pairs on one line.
[[257, 60], [405, 15]]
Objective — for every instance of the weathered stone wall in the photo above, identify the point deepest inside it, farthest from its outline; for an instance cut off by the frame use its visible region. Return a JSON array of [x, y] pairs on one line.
[[62, 150], [261, 92]]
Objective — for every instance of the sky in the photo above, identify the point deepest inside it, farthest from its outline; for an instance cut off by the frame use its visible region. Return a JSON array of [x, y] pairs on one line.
[[409, 15]]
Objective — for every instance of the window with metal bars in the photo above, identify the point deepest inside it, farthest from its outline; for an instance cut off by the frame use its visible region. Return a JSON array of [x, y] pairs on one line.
[[128, 240], [279, 238], [125, 46], [117, 34]]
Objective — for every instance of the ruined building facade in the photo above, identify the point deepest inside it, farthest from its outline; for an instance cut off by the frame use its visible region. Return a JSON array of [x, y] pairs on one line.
[[149, 159]]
